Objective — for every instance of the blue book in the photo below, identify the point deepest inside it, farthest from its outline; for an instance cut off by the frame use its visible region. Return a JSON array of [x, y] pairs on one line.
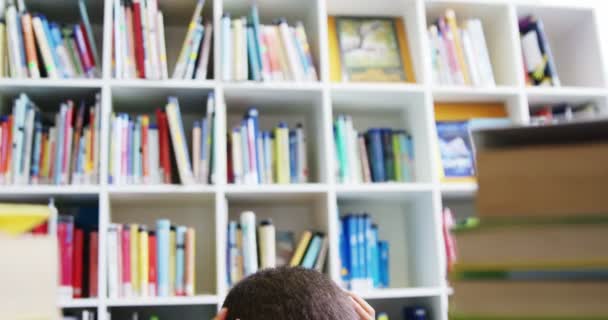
[[384, 270], [375, 259], [180, 244], [376, 155], [226, 48], [231, 251], [351, 235], [293, 156], [52, 46], [59, 144], [369, 274], [244, 150], [204, 125], [252, 53], [162, 257], [21, 45], [312, 252], [257, 34], [253, 115], [57, 40], [389, 157], [81, 156], [456, 149], [361, 229], [34, 169], [344, 250], [415, 313], [405, 157]]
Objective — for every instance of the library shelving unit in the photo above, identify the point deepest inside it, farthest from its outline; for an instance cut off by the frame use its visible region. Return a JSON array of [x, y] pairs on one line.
[[408, 214]]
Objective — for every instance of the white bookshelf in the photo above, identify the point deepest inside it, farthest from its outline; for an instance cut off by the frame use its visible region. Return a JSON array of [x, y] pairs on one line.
[[408, 214]]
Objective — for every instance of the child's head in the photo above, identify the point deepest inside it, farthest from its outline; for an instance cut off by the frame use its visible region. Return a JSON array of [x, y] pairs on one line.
[[288, 293]]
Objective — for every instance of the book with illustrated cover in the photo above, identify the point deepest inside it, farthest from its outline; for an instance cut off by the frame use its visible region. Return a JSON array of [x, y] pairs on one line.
[[369, 50], [456, 149]]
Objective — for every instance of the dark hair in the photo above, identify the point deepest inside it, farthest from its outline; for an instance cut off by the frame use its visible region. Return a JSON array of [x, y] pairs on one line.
[[288, 294]]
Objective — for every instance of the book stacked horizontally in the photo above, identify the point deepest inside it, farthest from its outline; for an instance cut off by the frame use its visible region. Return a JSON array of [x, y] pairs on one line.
[[266, 157], [37, 147], [252, 248], [538, 247], [459, 55], [379, 155], [39, 48], [139, 48], [151, 263], [140, 151], [364, 257], [273, 52]]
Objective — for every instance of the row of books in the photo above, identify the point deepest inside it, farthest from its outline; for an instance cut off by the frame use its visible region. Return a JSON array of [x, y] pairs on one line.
[[79, 315], [379, 155], [139, 48], [151, 263], [265, 157], [275, 52], [364, 257], [140, 151], [459, 55], [40, 48], [78, 256], [564, 112], [250, 249], [38, 148], [539, 64]]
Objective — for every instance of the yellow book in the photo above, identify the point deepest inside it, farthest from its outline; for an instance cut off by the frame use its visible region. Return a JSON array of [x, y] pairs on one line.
[[19, 218], [335, 66], [134, 241], [239, 259], [450, 17], [177, 139], [88, 168], [406, 57], [172, 250], [143, 261], [301, 249]]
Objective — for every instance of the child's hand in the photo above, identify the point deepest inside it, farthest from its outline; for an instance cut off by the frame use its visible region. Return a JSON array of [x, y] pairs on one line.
[[221, 315], [365, 311]]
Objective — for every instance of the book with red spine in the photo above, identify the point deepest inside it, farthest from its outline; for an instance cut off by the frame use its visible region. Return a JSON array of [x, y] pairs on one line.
[[83, 52], [152, 269], [93, 263], [41, 229], [139, 50], [165, 148], [77, 263], [125, 247], [65, 237], [87, 44]]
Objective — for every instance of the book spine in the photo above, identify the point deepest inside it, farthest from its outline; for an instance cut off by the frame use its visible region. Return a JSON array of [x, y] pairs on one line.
[[227, 57], [376, 155], [450, 48], [237, 157], [125, 247], [30, 46], [193, 54], [190, 262], [342, 149], [152, 264], [134, 258], [268, 157], [298, 254], [293, 157], [162, 46], [250, 257], [162, 247], [396, 150], [361, 245], [252, 53], [295, 68], [183, 54], [93, 263], [203, 63], [112, 262], [312, 252], [180, 243], [383, 249], [450, 17], [138, 40], [345, 270], [267, 245], [78, 261], [472, 63], [375, 259], [172, 260], [89, 32]]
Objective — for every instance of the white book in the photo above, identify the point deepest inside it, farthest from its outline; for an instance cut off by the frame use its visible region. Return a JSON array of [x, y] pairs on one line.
[[112, 255], [196, 42], [302, 156], [45, 50], [354, 169], [203, 61], [237, 44], [162, 47], [29, 137], [244, 57], [470, 58], [151, 20], [478, 40], [436, 76], [117, 154], [237, 156], [153, 156], [117, 41], [69, 68], [145, 40], [207, 171], [177, 137], [295, 67], [442, 57], [15, 54]]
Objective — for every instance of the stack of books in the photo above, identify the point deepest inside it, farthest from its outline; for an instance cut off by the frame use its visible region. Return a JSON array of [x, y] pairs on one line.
[[266, 157], [459, 55], [379, 155], [140, 151], [39, 148], [275, 52], [564, 112], [363, 256], [538, 253], [275, 248], [139, 49], [38, 48], [151, 263], [539, 64]]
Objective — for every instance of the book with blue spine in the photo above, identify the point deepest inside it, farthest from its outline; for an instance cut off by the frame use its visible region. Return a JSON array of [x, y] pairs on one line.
[[293, 156], [389, 157], [376, 154], [383, 249], [252, 53], [351, 233], [258, 44], [162, 263], [226, 48], [369, 244], [52, 45], [35, 169], [180, 242], [361, 246], [312, 251], [345, 272], [375, 259]]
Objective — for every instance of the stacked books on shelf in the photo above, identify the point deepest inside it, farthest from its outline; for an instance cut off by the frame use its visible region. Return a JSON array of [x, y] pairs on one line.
[[369, 49], [139, 48], [379, 155], [274, 52], [275, 248], [266, 157], [79, 315], [38, 48], [364, 257], [459, 55], [539, 65], [455, 124], [39, 148], [538, 253], [564, 112], [77, 237], [151, 263], [140, 151]]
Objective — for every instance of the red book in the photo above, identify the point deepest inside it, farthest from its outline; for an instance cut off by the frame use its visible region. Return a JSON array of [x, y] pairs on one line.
[[65, 237], [125, 239], [152, 264], [41, 229], [93, 263], [4, 145], [139, 50], [164, 148], [87, 44], [77, 262]]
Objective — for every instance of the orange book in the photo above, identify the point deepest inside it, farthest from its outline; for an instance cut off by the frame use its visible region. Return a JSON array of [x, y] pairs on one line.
[[30, 46], [467, 110]]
